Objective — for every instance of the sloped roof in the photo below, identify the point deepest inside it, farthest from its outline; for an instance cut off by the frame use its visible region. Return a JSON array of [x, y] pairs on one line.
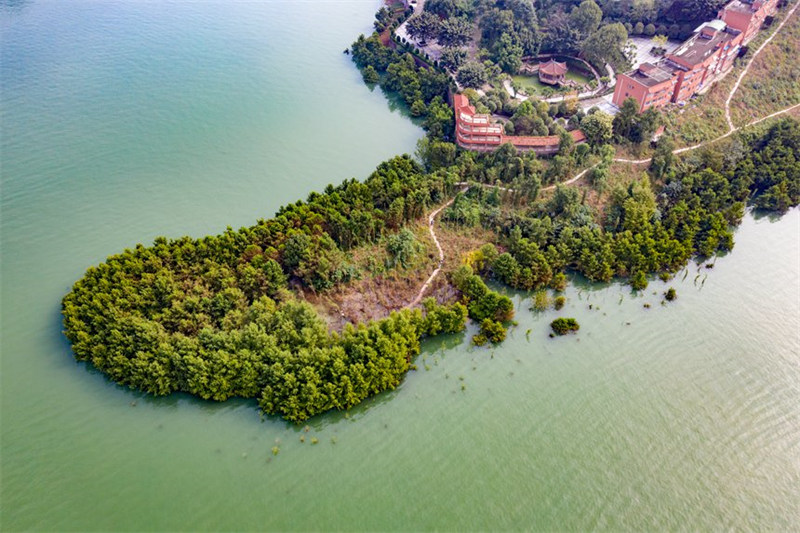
[[542, 141], [553, 68]]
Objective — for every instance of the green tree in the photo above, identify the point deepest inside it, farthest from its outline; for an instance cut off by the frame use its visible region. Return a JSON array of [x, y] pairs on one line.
[[418, 108], [440, 122], [401, 247], [472, 75], [455, 32], [453, 58], [507, 53], [598, 128], [494, 331], [370, 74], [561, 35], [586, 17], [663, 159], [449, 8], [625, 120], [423, 27], [660, 40], [605, 46], [562, 326]]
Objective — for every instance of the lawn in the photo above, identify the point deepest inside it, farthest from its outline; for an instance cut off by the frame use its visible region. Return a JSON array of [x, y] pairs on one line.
[[532, 85]]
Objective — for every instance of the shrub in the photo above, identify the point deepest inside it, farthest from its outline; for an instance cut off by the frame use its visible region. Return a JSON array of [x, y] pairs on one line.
[[562, 326], [639, 280], [541, 300], [479, 339], [670, 294], [559, 302], [494, 331]]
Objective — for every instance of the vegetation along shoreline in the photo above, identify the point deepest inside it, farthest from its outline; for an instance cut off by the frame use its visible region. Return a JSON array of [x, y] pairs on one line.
[[267, 311]]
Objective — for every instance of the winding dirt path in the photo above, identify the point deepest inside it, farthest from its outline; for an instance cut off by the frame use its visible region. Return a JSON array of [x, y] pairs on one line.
[[435, 273], [731, 130]]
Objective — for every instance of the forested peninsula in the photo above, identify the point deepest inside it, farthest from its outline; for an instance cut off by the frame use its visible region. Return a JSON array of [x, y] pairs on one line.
[[230, 315]]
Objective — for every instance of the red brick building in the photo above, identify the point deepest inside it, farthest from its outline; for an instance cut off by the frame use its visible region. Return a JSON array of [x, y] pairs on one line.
[[702, 59], [693, 66], [748, 16], [650, 85], [476, 131]]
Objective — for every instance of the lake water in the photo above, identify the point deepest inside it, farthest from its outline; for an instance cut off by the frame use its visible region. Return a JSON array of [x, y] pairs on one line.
[[122, 121]]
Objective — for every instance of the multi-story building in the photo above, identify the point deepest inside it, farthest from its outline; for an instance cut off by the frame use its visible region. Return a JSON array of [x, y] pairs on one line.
[[650, 85], [476, 131], [701, 60], [704, 58], [747, 16]]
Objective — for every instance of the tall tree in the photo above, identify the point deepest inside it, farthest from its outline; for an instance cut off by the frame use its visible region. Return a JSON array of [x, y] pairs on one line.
[[561, 36], [605, 46], [453, 58], [586, 17], [455, 32], [507, 53], [625, 120], [423, 27], [472, 75], [598, 128]]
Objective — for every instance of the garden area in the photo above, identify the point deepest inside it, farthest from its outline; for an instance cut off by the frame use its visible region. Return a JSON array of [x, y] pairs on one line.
[[529, 84]]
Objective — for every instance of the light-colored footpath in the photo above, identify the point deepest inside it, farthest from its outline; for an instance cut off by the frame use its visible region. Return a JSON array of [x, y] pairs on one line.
[[431, 219]]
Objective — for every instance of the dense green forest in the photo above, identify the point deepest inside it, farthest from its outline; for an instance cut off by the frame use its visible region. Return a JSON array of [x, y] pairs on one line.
[[216, 317], [656, 224]]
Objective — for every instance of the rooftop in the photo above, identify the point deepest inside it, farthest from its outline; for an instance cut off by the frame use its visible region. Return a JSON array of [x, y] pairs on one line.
[[649, 74], [542, 141], [700, 46], [741, 7], [717, 24], [553, 68]]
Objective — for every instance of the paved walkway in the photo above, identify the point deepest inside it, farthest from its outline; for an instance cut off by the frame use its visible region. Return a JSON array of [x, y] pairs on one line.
[[432, 48], [581, 96]]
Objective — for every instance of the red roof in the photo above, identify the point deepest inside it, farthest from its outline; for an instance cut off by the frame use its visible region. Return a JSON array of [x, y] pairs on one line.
[[460, 101], [553, 68], [548, 140]]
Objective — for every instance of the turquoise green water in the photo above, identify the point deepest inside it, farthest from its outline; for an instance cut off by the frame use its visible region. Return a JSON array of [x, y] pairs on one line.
[[122, 121]]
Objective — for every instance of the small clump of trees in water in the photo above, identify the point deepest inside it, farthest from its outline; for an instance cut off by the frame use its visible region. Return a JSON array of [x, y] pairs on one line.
[[562, 326]]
